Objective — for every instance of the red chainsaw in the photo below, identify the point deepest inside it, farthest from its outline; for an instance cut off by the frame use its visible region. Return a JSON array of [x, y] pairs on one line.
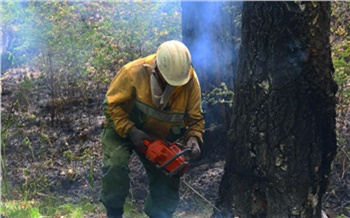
[[166, 156]]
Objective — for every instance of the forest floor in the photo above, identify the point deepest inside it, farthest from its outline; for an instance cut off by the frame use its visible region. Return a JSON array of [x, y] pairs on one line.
[[63, 160]]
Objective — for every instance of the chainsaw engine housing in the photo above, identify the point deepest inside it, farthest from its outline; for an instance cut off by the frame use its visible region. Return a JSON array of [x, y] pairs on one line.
[[166, 156]]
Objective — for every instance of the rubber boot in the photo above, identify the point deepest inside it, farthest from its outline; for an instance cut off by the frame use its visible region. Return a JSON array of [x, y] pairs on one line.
[[114, 212]]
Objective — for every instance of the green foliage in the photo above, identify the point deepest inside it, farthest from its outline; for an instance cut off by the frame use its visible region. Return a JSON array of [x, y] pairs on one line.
[[19, 209], [6, 123], [78, 37], [217, 107], [218, 95], [341, 52], [49, 206], [341, 60], [33, 184], [79, 46], [340, 41], [12, 23], [26, 142], [45, 139], [234, 11], [131, 211], [342, 216]]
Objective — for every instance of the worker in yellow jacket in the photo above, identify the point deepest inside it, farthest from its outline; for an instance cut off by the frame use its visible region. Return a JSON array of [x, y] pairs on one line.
[[156, 97]]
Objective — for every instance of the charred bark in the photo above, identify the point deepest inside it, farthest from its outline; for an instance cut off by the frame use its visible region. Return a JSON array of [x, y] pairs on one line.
[[282, 137]]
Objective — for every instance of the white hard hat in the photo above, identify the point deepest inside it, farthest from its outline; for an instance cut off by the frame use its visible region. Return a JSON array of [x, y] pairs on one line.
[[174, 62]]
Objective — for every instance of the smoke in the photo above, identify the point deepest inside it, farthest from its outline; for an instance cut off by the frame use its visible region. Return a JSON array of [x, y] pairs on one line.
[[213, 43], [14, 25], [203, 46], [211, 30]]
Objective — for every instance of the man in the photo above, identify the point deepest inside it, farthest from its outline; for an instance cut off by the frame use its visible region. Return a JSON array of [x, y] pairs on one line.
[[156, 97]]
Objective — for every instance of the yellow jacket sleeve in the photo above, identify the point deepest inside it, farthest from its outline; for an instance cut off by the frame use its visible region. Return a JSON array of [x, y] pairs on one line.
[[119, 93]]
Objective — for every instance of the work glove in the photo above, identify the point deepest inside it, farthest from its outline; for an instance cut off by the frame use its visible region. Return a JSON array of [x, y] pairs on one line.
[[138, 136], [192, 144]]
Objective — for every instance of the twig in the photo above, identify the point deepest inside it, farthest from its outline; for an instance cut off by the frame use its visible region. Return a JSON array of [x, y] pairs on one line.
[[344, 168], [345, 153], [212, 128], [206, 200], [45, 195]]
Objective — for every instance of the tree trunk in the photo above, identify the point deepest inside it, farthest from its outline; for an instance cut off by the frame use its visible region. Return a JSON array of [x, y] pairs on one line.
[[282, 137]]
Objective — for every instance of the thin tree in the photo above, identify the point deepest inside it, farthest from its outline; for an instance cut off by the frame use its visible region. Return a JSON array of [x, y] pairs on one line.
[[282, 136]]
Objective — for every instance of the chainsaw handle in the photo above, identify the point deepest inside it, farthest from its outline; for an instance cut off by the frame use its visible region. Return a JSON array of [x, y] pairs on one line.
[[178, 169], [174, 157], [146, 142]]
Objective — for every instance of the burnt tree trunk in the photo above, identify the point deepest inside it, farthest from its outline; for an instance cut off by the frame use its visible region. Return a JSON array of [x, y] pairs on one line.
[[282, 137]]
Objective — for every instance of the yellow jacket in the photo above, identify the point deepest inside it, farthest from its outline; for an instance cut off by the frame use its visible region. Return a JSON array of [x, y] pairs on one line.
[[130, 91]]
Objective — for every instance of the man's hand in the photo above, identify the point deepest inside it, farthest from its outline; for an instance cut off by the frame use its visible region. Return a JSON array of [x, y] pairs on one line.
[[192, 143], [138, 136]]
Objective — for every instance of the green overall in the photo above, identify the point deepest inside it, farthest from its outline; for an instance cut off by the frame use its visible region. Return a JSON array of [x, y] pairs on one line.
[[163, 195]]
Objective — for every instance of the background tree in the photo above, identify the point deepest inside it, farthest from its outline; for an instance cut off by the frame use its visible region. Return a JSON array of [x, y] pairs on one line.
[[214, 53], [214, 56], [282, 139]]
